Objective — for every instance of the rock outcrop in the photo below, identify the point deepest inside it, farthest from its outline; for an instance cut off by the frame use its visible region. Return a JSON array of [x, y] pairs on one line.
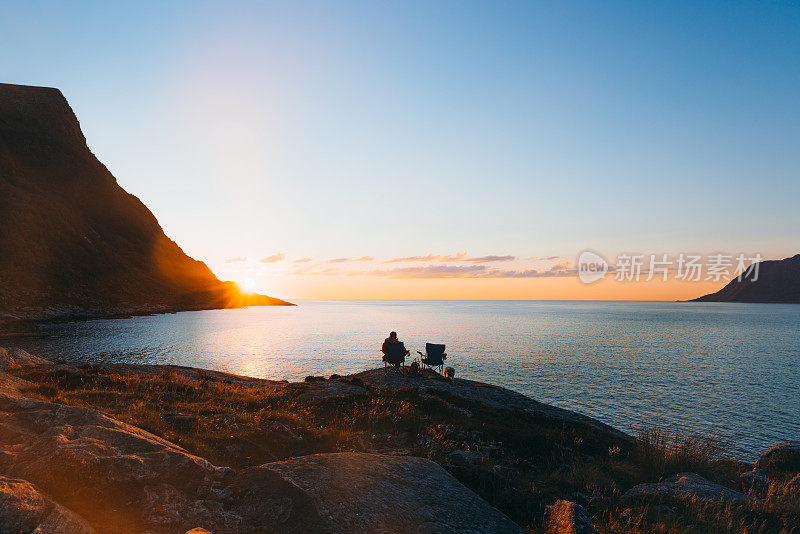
[[23, 508], [778, 281], [682, 486], [776, 472], [16, 358], [781, 458], [793, 486], [72, 241], [754, 480], [379, 493], [73, 469], [482, 394]]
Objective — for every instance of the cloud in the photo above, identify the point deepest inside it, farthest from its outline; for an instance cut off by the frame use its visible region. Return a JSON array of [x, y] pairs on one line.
[[457, 257], [431, 271], [463, 271], [274, 258], [429, 257], [562, 266], [489, 259], [458, 265], [235, 260], [529, 273], [447, 258], [344, 260], [311, 271]]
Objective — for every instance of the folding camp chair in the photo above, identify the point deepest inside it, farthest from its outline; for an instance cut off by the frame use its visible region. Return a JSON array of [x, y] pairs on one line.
[[434, 356], [395, 355]]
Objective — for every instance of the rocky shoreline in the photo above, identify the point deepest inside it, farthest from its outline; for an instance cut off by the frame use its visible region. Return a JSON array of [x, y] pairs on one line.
[[67, 466], [27, 321]]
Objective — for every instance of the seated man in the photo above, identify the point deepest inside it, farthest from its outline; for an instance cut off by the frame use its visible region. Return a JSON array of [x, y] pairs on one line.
[[389, 340], [390, 343]]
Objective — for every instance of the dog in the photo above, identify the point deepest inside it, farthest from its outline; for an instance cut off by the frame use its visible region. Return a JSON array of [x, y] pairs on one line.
[[449, 372]]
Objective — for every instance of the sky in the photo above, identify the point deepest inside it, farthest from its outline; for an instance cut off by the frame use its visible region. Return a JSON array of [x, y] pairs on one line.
[[484, 144]]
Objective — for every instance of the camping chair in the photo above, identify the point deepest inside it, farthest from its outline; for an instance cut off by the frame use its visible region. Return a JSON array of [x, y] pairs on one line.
[[435, 356], [395, 355]]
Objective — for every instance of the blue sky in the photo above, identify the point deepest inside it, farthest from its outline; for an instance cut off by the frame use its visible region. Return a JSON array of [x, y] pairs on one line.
[[341, 129]]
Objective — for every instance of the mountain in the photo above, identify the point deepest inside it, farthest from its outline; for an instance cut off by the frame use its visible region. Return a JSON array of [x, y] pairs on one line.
[[778, 281], [73, 243]]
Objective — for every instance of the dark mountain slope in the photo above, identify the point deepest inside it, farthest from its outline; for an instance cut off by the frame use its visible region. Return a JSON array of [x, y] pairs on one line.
[[72, 241], [778, 281]]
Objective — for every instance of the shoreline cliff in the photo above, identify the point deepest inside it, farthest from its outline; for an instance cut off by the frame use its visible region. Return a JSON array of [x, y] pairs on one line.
[[776, 282], [73, 243]]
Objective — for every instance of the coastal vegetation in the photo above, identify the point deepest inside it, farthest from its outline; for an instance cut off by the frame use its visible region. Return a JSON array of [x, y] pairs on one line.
[[518, 461]]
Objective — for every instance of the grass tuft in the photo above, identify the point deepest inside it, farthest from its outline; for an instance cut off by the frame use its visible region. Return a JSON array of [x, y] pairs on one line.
[[666, 451]]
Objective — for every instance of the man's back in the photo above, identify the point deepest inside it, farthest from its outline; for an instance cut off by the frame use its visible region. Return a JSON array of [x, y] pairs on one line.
[[394, 352], [389, 341]]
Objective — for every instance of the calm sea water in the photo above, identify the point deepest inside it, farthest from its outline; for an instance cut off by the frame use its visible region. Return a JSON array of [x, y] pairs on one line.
[[731, 370]]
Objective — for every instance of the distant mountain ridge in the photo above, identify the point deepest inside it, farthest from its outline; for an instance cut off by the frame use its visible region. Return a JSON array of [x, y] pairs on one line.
[[778, 281], [73, 243]]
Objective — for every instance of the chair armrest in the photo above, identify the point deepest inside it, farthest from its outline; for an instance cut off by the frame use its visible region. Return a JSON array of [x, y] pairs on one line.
[[444, 356], [418, 352]]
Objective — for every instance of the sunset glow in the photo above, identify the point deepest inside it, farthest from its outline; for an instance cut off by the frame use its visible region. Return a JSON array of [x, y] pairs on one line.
[[248, 285], [278, 141]]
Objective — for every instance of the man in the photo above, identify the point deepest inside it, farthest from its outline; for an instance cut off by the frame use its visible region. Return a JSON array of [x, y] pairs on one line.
[[391, 340]]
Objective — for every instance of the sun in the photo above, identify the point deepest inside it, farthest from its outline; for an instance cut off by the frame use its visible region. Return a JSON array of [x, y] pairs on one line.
[[248, 285]]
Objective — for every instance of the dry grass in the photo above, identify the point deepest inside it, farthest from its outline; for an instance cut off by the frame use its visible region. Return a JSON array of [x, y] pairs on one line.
[[697, 516], [665, 451], [240, 424]]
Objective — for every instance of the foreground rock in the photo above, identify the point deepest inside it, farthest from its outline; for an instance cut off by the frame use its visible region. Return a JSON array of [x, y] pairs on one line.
[[482, 394], [428, 382], [24, 509], [793, 486], [776, 472], [378, 493], [565, 517], [71, 469], [754, 480], [16, 358], [780, 458], [682, 486]]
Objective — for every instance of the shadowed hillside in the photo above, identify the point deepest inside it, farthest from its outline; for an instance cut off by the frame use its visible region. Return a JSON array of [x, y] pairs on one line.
[[72, 242], [778, 281]]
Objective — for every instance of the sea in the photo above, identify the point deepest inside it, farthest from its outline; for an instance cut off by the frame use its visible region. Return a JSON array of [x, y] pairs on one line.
[[727, 370]]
